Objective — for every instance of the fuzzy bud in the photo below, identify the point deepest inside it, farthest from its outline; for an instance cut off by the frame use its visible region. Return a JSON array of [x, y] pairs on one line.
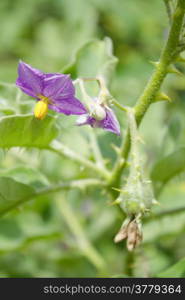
[[136, 197], [98, 112]]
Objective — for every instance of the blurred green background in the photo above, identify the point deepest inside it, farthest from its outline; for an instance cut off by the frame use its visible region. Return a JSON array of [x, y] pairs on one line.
[[35, 240]]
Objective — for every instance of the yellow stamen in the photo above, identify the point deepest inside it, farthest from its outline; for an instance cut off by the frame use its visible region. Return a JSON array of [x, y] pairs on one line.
[[41, 108]]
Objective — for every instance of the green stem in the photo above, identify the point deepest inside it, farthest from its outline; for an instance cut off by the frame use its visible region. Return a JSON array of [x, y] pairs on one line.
[[81, 184], [63, 150], [153, 86], [83, 243], [8, 85], [134, 138], [167, 212], [96, 149], [116, 103], [129, 264]]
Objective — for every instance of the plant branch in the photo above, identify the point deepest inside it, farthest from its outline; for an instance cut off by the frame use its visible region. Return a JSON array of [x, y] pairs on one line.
[[118, 105], [167, 212], [81, 184], [63, 150], [152, 87], [8, 85], [96, 149]]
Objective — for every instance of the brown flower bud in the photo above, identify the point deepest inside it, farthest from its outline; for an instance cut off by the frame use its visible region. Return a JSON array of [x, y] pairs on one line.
[[134, 235], [131, 231], [121, 235]]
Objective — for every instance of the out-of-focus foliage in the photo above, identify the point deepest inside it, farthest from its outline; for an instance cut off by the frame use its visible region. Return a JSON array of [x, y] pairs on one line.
[[26, 131], [175, 271], [35, 240]]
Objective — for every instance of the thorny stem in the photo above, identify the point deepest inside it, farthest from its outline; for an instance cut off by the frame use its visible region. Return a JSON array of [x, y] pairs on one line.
[[152, 88], [134, 137]]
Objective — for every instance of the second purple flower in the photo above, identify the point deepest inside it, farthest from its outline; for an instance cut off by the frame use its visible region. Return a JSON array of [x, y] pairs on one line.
[[104, 118]]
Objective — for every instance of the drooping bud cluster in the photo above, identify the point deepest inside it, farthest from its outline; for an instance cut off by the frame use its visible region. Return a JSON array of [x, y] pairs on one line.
[[130, 230]]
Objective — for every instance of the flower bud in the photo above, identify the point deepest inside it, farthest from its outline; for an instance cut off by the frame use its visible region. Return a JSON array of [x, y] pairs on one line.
[[134, 235], [98, 112], [131, 231], [123, 232]]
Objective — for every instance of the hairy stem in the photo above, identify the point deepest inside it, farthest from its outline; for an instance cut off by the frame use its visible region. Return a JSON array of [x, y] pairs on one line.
[[152, 87]]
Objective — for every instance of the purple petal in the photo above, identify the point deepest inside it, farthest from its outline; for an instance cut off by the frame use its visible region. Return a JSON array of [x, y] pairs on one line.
[[29, 80], [58, 86], [110, 123], [68, 106]]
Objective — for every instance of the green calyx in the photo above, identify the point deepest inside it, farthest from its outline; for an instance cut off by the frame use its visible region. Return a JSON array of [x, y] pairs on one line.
[[136, 196]]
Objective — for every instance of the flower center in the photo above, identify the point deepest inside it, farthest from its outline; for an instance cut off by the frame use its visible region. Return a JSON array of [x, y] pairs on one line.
[[41, 107]]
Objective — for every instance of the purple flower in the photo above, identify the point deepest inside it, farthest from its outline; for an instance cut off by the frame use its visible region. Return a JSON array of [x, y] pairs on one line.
[[109, 122], [52, 90]]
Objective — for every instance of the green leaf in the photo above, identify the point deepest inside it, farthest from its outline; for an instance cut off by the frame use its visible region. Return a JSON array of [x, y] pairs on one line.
[[169, 166], [12, 193], [95, 58], [26, 131], [177, 270]]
